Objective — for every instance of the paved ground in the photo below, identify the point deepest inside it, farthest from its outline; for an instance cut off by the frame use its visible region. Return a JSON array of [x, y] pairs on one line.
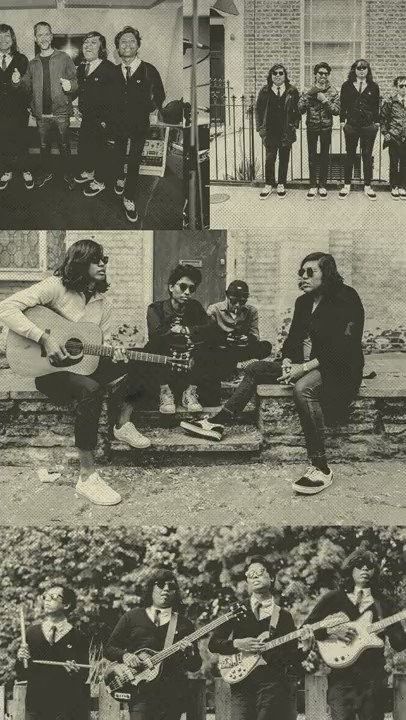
[[244, 209], [252, 493]]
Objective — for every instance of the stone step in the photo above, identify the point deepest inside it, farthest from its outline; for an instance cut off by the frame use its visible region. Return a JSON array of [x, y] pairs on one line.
[[144, 419], [237, 439]]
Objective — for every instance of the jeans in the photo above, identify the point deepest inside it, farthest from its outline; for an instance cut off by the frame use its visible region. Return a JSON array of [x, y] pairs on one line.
[[273, 147], [325, 142], [260, 698], [366, 136], [14, 143], [363, 701], [92, 151], [397, 164], [59, 124], [133, 162], [306, 395]]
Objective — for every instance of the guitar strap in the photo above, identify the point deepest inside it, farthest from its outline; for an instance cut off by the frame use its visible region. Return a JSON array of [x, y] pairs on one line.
[[170, 633]]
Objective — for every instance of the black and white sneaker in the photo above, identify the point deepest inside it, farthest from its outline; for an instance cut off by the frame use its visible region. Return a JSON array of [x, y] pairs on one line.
[[28, 180], [130, 210], [323, 193], [345, 191], [119, 186], [5, 179], [203, 428], [371, 194], [280, 191], [312, 481], [94, 188], [265, 192], [43, 178], [311, 193], [84, 177], [395, 193]]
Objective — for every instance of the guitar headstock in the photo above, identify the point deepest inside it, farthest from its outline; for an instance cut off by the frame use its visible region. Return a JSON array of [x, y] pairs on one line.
[[180, 361], [237, 611]]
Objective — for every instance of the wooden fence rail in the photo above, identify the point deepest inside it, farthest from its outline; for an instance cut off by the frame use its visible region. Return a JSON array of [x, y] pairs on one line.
[[109, 709]]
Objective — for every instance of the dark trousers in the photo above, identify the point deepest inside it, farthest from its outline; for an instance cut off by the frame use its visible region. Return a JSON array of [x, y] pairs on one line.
[[273, 147], [258, 698], [13, 143], [92, 151], [325, 142], [164, 700], [133, 162], [397, 164], [361, 700], [46, 127], [366, 136], [86, 393], [306, 394]]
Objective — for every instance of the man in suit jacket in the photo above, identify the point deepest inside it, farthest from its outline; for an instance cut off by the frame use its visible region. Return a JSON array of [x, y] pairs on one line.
[[139, 92], [322, 360]]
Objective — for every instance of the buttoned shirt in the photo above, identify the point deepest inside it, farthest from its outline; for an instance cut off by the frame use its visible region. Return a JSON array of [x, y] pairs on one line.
[[361, 597], [62, 627], [262, 608], [163, 617], [282, 88], [244, 321], [93, 64], [8, 58], [133, 67]]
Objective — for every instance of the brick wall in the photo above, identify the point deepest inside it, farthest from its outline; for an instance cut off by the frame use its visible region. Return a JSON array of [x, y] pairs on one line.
[[385, 43]]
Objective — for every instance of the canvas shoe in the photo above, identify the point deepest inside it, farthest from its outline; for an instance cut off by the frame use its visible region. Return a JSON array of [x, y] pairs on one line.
[[280, 191], [402, 194], [94, 188], [395, 193], [190, 401], [130, 209], [203, 428], [312, 481], [129, 434], [5, 179], [345, 191], [28, 180], [371, 194], [119, 186], [95, 489], [265, 192], [323, 193], [311, 193], [166, 401], [84, 177]]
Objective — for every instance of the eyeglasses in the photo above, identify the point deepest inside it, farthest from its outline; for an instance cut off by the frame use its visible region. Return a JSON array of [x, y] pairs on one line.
[[185, 286], [322, 72], [170, 584], [402, 85], [103, 259], [362, 67], [306, 272], [51, 596], [251, 574], [278, 72]]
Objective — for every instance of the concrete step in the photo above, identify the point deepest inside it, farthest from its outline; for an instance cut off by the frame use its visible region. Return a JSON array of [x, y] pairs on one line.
[[237, 439], [145, 418]]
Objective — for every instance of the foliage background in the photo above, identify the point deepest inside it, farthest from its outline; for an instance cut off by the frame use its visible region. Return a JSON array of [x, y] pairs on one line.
[[108, 568]]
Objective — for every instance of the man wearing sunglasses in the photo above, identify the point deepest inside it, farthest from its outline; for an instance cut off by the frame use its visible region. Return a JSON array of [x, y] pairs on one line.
[[55, 691], [359, 116], [393, 125], [160, 616], [320, 103], [277, 118], [178, 324], [322, 361], [77, 292]]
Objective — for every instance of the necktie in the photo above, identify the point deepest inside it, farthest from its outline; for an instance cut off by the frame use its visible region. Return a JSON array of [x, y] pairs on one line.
[[3, 63], [360, 86], [127, 73], [87, 68], [279, 92], [157, 618], [53, 635]]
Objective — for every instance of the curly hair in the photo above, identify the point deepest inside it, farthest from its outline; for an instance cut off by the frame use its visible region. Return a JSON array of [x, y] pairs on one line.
[[74, 269], [103, 44], [352, 74], [162, 574], [272, 70], [331, 279], [320, 65], [124, 31], [7, 28], [185, 271]]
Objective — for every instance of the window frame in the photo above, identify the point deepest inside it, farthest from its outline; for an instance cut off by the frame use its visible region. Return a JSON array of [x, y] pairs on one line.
[[30, 274]]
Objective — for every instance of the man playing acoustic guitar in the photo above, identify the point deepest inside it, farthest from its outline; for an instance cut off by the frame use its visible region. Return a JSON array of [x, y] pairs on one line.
[[77, 292], [358, 690], [157, 624]]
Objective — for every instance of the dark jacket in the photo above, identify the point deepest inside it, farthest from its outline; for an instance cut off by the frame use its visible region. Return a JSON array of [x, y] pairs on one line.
[[97, 93], [136, 99], [371, 662], [60, 66], [393, 120], [161, 316], [13, 103], [291, 116], [51, 688], [359, 110], [319, 115], [335, 329]]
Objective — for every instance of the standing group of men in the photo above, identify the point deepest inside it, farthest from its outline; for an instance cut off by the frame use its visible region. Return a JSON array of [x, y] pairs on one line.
[[115, 103], [267, 693], [279, 108]]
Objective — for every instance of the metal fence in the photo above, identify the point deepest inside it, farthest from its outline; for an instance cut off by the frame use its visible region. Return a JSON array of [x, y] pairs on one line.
[[237, 153]]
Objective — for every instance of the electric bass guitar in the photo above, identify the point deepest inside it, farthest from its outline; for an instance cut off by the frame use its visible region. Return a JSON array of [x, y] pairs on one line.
[[339, 654], [83, 343], [122, 682], [235, 668]]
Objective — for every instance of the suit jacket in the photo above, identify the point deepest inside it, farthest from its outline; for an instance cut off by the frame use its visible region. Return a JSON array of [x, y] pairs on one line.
[[291, 118], [335, 329], [136, 99]]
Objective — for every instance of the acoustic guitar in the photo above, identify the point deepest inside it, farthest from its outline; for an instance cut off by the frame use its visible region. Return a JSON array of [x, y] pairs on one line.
[[339, 654], [235, 668], [83, 342], [122, 681]]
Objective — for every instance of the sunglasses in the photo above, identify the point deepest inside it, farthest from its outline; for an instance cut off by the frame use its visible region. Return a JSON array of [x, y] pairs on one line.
[[170, 584], [322, 72], [185, 286], [234, 300], [251, 574], [103, 259], [306, 272], [52, 596], [362, 67], [402, 85], [278, 72]]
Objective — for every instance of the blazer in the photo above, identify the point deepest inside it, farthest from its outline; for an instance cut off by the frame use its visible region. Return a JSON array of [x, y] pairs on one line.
[[13, 103], [97, 93], [136, 99], [335, 329], [359, 110], [292, 114]]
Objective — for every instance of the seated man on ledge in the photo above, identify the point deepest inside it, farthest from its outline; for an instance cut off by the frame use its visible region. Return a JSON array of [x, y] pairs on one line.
[[321, 358]]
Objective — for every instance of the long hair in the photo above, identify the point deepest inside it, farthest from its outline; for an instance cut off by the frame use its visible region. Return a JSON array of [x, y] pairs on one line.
[[74, 270], [103, 44], [331, 279], [162, 574], [278, 66], [7, 28], [361, 556], [352, 74]]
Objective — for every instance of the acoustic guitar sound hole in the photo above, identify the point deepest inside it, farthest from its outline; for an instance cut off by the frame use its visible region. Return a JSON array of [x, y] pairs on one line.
[[74, 347]]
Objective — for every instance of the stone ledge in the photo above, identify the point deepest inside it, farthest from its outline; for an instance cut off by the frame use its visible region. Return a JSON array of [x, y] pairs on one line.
[[369, 391], [237, 439]]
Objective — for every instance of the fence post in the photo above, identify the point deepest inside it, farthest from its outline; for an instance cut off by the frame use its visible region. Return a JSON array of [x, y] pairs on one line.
[[316, 697], [19, 693], [222, 700], [109, 708], [197, 700], [399, 696], [2, 701]]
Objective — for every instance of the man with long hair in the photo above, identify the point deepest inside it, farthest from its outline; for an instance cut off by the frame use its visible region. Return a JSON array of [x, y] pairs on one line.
[[161, 613], [277, 118], [322, 360], [77, 292], [393, 126], [97, 83], [55, 691], [358, 690], [359, 116], [13, 112]]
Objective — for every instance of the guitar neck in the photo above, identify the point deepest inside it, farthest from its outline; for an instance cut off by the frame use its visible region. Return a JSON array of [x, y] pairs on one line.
[[107, 351], [295, 635], [386, 622]]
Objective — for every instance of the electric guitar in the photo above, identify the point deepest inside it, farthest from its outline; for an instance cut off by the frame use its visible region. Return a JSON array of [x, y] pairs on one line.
[[339, 654], [122, 681], [83, 343], [235, 668]]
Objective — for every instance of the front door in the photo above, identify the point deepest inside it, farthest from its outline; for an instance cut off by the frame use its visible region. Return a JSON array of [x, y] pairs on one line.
[[205, 250]]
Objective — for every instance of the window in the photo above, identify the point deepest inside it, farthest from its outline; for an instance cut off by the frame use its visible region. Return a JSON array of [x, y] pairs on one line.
[[28, 254], [333, 32]]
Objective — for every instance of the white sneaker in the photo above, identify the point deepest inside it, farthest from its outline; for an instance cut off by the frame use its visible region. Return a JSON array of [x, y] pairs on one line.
[[395, 193], [280, 191], [28, 180], [94, 188], [130, 210], [312, 481], [371, 194], [166, 401], [323, 193], [265, 192], [5, 179], [345, 190], [402, 194], [84, 177], [129, 434], [311, 193], [95, 489], [190, 401]]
